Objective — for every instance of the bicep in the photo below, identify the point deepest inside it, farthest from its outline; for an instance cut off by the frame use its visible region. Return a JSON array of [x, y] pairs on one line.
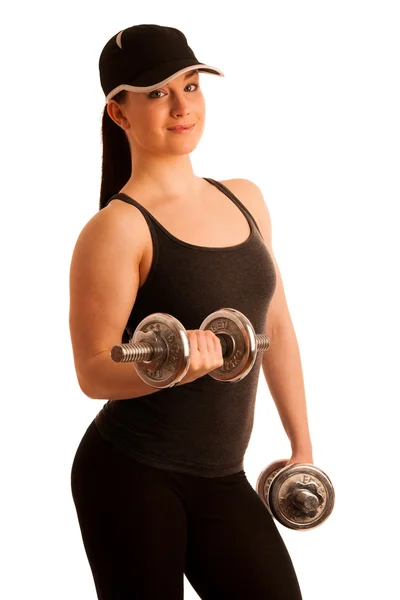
[[104, 279]]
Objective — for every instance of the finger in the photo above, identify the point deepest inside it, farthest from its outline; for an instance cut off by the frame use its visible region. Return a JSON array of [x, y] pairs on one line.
[[202, 342], [211, 339], [217, 345], [194, 341]]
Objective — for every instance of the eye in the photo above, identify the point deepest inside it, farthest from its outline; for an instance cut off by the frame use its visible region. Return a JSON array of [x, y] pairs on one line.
[[152, 97]]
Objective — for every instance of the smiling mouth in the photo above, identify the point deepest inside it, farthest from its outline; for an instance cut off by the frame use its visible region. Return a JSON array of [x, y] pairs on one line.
[[181, 128]]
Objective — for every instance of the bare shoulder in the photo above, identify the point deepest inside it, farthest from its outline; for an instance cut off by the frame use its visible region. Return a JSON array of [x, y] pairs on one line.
[[114, 223], [246, 190], [250, 194]]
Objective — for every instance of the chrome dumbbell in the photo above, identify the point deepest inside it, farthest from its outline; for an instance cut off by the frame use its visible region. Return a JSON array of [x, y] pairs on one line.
[[159, 347], [299, 496]]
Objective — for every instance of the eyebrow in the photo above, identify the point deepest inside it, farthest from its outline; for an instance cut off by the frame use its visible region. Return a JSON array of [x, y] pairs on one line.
[[190, 74]]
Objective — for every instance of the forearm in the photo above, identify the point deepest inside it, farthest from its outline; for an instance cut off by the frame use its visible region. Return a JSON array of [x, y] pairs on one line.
[[283, 373], [104, 379]]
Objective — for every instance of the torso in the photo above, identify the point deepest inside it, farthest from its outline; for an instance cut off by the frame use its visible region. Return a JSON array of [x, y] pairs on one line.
[[214, 221]]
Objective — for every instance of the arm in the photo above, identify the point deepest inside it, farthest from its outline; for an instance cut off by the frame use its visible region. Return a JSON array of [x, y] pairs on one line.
[[104, 279], [281, 363], [283, 373]]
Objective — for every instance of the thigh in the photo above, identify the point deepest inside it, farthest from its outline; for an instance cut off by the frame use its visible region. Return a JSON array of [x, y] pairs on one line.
[[235, 549], [132, 523]]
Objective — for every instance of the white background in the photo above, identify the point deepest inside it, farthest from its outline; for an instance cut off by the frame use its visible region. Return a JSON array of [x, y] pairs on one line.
[[309, 110]]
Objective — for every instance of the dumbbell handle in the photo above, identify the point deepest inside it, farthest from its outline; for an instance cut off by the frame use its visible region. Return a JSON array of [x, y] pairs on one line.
[[147, 351], [304, 500]]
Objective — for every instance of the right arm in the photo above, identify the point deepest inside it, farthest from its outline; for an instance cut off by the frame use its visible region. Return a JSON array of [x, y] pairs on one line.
[[104, 280]]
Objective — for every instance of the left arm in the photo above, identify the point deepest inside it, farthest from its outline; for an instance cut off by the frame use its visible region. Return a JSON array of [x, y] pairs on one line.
[[281, 363]]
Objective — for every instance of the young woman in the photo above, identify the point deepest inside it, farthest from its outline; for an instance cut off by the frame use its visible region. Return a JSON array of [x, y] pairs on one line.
[[158, 479]]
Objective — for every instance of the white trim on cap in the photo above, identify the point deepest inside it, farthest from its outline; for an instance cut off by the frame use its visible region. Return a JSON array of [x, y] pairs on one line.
[[150, 88], [118, 39]]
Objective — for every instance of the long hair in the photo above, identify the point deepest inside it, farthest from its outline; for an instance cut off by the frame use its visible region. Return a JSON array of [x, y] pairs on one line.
[[116, 158]]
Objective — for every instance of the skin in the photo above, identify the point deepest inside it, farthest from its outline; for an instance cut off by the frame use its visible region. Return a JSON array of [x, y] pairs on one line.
[[161, 159]]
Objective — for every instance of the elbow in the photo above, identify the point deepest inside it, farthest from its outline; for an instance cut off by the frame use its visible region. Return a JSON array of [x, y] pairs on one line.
[[86, 390], [86, 386]]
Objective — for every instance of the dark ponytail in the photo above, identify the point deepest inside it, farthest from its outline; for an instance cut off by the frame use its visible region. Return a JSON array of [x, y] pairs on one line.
[[116, 159]]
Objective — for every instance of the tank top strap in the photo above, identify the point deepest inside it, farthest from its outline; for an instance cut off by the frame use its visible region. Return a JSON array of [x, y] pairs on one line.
[[147, 215], [129, 200], [149, 219], [234, 199]]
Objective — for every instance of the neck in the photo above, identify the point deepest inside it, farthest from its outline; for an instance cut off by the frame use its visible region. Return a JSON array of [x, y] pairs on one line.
[[170, 177]]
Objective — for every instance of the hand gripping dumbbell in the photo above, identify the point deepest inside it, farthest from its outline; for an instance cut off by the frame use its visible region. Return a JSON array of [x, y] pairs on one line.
[[299, 496], [160, 349]]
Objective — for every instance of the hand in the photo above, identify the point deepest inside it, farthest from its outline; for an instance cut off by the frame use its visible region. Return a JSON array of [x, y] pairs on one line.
[[205, 354]]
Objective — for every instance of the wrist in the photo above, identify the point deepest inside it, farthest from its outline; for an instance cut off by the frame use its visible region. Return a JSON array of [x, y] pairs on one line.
[[304, 447]]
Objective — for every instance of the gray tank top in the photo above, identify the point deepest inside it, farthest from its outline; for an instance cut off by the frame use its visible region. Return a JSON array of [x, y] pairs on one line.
[[204, 427]]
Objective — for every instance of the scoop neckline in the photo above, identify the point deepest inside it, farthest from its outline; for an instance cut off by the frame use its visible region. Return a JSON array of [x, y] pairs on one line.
[[195, 246]]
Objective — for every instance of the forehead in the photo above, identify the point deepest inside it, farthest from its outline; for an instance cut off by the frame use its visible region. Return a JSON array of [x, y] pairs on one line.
[[186, 75]]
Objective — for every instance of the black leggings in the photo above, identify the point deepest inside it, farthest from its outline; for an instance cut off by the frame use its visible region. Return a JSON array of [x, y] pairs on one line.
[[143, 528]]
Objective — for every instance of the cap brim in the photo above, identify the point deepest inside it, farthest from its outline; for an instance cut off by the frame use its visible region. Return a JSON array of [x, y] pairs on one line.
[[202, 68]]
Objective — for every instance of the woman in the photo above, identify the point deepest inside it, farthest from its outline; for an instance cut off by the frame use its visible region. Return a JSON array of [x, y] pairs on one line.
[[158, 479]]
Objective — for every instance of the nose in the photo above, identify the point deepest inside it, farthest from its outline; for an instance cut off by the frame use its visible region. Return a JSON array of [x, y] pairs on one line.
[[180, 105]]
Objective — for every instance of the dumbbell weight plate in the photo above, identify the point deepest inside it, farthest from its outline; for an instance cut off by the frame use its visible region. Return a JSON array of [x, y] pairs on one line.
[[160, 373], [276, 486], [241, 342], [265, 479]]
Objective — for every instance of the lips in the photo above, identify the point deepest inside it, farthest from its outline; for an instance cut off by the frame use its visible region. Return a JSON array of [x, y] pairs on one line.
[[180, 127]]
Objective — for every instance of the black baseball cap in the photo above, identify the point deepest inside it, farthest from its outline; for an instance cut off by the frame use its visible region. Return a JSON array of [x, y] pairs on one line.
[[141, 58]]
